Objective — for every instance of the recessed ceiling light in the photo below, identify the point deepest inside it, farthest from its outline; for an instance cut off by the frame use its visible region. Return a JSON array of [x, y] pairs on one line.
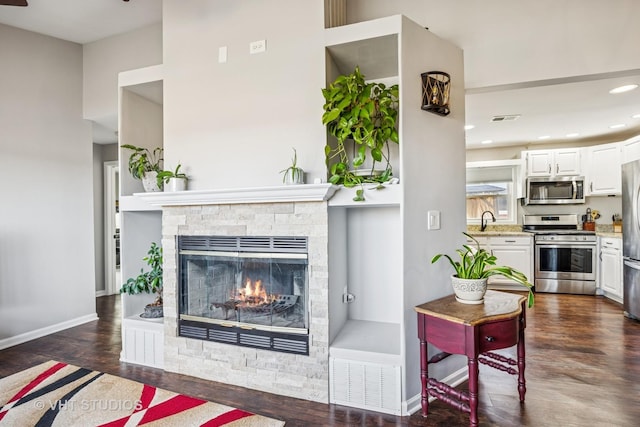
[[486, 141], [625, 88], [544, 137], [469, 127], [618, 126], [636, 116], [572, 135]]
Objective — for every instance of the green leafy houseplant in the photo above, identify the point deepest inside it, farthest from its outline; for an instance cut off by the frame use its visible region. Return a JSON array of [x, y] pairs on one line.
[[367, 115], [143, 160], [165, 176], [148, 281], [477, 263], [293, 174]]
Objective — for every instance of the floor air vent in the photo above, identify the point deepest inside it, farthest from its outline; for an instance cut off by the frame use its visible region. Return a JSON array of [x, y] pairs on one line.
[[365, 385]]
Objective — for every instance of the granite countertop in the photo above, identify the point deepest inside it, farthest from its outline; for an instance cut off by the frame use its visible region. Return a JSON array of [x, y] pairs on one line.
[[606, 230]]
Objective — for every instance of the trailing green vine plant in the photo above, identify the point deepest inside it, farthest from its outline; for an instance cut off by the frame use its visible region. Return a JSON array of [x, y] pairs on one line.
[[367, 115]]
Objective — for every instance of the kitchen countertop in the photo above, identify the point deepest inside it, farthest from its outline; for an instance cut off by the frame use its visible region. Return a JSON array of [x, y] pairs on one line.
[[516, 230]]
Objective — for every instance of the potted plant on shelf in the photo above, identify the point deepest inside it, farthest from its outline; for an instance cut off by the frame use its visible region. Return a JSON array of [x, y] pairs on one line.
[[144, 164], [293, 174], [149, 282], [473, 270], [363, 119], [172, 180]]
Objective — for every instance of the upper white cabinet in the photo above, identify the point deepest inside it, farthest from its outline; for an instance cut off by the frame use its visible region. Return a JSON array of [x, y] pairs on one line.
[[603, 170], [631, 149], [560, 162]]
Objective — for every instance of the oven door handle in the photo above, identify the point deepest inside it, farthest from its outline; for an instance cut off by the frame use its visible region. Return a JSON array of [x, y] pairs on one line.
[[567, 245]]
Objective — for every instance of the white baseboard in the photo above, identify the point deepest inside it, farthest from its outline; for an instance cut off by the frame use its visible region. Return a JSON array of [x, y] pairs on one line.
[[38, 333], [101, 293], [455, 379]]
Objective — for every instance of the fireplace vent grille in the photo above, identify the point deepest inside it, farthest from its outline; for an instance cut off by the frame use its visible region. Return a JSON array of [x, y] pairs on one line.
[[277, 244]]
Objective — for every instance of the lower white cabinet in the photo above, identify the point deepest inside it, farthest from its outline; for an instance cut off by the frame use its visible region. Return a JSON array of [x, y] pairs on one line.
[[611, 267], [513, 251]]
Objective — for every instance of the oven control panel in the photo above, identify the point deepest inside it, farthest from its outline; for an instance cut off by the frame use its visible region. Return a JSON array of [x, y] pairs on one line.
[[565, 237]]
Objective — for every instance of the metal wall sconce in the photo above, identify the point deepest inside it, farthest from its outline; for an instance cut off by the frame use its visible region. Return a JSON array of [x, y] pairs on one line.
[[435, 92]]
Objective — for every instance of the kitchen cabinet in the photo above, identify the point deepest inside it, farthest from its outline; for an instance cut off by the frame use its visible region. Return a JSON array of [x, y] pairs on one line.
[[611, 267], [631, 149], [604, 170], [514, 251], [559, 162]]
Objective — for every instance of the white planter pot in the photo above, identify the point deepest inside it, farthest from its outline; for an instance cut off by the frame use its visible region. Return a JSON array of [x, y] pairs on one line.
[[469, 291], [294, 176], [176, 184], [150, 182]]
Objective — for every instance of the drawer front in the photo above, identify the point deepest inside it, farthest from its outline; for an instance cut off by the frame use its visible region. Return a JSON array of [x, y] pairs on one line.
[[611, 243], [496, 335], [519, 241]]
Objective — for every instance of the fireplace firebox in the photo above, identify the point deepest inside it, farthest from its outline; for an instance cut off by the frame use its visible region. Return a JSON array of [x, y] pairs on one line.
[[249, 291]]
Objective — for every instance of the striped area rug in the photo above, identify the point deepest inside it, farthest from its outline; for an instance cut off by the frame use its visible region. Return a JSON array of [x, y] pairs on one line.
[[58, 394]]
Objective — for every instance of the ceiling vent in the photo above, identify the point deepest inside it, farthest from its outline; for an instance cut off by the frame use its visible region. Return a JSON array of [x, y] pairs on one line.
[[505, 118]]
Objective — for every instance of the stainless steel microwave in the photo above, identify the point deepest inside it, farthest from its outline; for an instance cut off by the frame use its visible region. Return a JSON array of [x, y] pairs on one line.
[[560, 190]]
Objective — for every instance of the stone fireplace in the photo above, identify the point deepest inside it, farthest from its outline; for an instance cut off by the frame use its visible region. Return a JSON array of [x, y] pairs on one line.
[[274, 215]]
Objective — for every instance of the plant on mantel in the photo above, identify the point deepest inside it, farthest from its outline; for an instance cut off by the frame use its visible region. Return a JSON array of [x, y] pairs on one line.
[[144, 164], [365, 115], [172, 180]]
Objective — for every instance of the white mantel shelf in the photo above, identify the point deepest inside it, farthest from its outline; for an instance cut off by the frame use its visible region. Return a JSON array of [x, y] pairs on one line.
[[278, 194]]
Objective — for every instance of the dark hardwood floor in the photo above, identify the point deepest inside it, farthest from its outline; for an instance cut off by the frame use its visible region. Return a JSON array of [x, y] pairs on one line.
[[583, 369]]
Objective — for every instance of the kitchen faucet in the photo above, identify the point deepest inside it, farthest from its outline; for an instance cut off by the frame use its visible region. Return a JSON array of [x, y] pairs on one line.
[[483, 224]]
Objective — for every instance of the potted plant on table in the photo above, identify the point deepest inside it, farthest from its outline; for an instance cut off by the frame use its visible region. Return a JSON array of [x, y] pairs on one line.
[[293, 174], [473, 270], [149, 282], [172, 180], [144, 164], [365, 116]]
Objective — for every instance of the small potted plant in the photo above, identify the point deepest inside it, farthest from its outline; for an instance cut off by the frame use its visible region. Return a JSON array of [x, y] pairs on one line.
[[149, 282], [293, 174], [363, 118], [473, 270], [172, 180], [144, 164]]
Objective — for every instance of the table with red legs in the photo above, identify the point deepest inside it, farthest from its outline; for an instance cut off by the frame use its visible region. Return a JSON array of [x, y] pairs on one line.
[[473, 331]]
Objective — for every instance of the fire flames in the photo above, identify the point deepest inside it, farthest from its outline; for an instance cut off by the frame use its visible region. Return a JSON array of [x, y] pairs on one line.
[[253, 293]]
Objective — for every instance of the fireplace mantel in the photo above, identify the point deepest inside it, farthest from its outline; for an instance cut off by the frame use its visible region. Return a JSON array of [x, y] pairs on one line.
[[283, 193]]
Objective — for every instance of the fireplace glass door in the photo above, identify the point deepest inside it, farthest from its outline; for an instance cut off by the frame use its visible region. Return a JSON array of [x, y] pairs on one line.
[[254, 290]]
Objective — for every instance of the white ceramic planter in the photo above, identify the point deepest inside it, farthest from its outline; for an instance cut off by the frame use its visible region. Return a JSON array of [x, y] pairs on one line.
[[294, 176], [469, 291], [176, 184]]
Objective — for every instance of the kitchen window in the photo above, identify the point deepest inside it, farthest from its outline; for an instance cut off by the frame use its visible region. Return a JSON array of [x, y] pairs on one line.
[[492, 186]]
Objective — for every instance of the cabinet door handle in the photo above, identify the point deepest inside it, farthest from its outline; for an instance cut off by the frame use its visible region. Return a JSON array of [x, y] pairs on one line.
[[509, 241], [557, 168], [490, 339], [549, 168], [591, 186]]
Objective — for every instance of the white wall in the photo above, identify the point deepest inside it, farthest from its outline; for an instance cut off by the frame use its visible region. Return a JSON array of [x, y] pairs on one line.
[[610, 28], [46, 219], [234, 124], [104, 59]]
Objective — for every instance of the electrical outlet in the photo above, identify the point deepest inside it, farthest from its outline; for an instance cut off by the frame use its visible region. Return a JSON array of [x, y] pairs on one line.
[[257, 46]]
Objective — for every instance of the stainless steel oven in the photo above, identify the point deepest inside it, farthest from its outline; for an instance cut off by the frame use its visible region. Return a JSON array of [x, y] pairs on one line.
[[565, 258]]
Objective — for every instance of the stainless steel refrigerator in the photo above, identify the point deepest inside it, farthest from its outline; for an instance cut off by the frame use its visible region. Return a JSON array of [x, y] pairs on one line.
[[631, 238]]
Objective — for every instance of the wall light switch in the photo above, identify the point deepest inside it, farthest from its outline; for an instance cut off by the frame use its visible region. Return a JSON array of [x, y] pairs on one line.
[[433, 222], [222, 54]]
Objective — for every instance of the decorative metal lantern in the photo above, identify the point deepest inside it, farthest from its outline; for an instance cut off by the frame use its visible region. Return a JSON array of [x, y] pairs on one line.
[[435, 92]]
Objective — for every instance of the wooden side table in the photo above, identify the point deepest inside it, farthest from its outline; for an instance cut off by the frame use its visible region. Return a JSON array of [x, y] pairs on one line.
[[471, 330]]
